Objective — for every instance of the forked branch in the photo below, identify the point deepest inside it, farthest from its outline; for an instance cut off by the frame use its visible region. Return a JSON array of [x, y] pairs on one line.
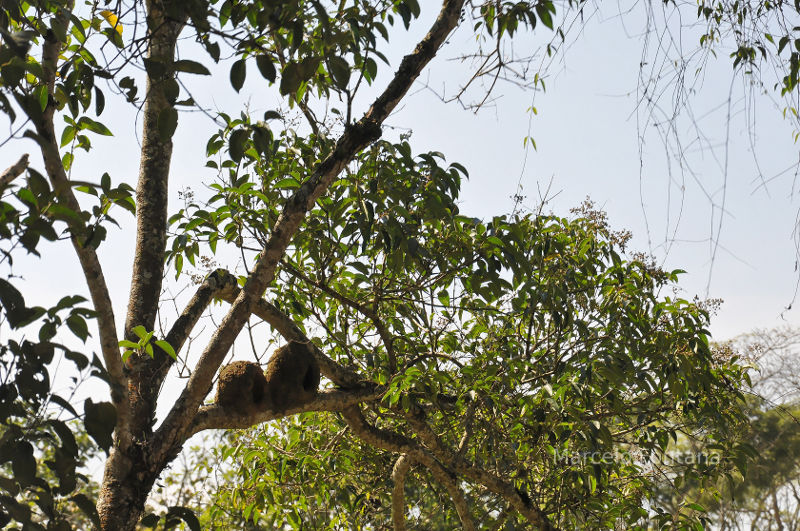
[[442, 461], [175, 427], [394, 442], [223, 286]]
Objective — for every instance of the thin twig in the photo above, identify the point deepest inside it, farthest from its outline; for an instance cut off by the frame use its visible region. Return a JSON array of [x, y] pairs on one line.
[[13, 171]]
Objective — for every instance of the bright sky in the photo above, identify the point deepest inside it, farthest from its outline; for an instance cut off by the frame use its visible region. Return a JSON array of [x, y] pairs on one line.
[[587, 138]]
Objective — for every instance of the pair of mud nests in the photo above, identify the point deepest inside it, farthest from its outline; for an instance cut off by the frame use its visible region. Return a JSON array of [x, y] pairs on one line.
[[291, 379]]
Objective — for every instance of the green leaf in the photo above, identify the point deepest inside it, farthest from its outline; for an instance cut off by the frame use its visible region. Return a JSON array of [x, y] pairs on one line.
[[140, 331], [191, 67], [166, 347], [236, 144], [13, 71], [99, 101], [41, 95], [266, 67], [262, 140], [67, 135], [291, 78], [59, 27], [95, 127], [65, 214], [289, 183], [238, 73], [167, 123], [444, 298], [340, 71], [77, 326], [66, 160], [100, 420], [544, 14]]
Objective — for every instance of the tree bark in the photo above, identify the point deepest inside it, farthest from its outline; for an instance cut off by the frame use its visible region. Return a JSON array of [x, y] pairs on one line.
[[152, 189], [127, 482], [399, 472], [130, 472]]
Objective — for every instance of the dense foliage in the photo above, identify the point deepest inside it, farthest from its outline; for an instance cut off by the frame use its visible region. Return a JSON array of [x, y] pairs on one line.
[[527, 345]]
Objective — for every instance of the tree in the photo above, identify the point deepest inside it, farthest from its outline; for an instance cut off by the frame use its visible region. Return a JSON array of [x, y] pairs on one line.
[[522, 368], [766, 496]]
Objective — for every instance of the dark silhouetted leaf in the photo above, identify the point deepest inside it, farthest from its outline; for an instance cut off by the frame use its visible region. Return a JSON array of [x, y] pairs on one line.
[[100, 420], [340, 71], [185, 514], [191, 67], [265, 66], [150, 520], [291, 78], [236, 144], [23, 464], [238, 73], [88, 507], [167, 123], [14, 304]]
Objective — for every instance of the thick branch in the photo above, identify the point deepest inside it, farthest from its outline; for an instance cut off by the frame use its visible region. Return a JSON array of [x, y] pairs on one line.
[[216, 417], [152, 189], [13, 171], [399, 472], [394, 442], [222, 285], [90, 264], [355, 138]]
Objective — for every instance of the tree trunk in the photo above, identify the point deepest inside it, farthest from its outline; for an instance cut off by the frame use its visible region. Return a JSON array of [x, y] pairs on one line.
[[126, 485], [131, 468]]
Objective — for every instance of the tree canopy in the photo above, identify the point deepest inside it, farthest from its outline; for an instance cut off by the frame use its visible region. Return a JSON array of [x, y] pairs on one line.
[[526, 369]]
